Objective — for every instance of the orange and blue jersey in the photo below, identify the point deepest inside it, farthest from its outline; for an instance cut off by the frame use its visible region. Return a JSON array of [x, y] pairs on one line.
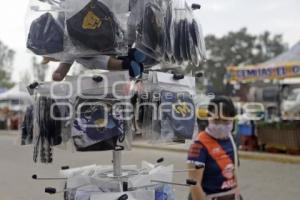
[[217, 158]]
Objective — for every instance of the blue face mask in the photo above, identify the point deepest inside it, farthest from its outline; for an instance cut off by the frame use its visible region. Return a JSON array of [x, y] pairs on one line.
[[219, 131]]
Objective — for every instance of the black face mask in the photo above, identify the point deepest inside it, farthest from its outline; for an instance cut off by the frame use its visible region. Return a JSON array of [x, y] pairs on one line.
[[153, 36], [168, 22], [194, 30], [49, 134], [183, 50], [45, 35], [27, 127], [194, 42], [96, 137], [187, 40], [177, 43], [94, 27]]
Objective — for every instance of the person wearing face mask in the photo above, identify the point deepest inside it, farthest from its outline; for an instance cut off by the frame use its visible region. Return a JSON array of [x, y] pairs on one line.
[[212, 158]]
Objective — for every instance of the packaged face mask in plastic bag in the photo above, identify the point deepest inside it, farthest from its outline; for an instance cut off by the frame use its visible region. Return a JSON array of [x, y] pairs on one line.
[[101, 117], [83, 187], [135, 195], [99, 25], [170, 112], [27, 126], [93, 22], [151, 37], [197, 42], [81, 171], [51, 113], [105, 185], [94, 127], [71, 29], [45, 27], [160, 173], [47, 130], [178, 116]]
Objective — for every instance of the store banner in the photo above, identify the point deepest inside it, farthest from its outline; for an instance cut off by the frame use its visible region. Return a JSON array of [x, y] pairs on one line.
[[260, 72]]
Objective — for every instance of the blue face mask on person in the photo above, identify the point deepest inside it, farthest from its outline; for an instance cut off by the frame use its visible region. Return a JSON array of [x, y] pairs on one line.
[[219, 131]]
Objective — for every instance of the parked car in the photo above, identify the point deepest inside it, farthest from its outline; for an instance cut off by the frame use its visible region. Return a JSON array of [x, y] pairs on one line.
[[291, 105]]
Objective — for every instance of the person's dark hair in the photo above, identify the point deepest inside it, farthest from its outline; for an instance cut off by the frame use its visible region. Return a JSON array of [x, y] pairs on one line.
[[222, 106]]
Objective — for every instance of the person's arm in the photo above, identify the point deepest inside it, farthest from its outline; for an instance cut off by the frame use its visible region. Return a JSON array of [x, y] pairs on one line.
[[197, 175], [61, 72], [114, 64]]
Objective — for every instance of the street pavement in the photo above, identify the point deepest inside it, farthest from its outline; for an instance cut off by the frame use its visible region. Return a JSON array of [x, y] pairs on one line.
[[259, 180]]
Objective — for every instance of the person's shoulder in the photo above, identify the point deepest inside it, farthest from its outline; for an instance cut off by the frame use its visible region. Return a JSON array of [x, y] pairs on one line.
[[203, 137]]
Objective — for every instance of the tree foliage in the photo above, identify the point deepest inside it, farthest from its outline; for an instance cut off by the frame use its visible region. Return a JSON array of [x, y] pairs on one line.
[[238, 48], [6, 62], [39, 70]]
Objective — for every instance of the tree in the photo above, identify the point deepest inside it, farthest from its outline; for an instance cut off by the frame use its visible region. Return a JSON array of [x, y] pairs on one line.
[[39, 70], [26, 78], [6, 62], [238, 48]]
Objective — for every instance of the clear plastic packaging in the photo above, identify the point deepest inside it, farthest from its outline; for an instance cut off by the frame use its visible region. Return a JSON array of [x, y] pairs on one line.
[[45, 25], [169, 113], [168, 23], [101, 118], [150, 29], [160, 173], [176, 30], [27, 126], [136, 8], [51, 114], [80, 171], [98, 25], [70, 29], [197, 42], [135, 195], [166, 31]]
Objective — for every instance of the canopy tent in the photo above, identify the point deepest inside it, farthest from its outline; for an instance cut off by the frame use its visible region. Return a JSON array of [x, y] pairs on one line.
[[286, 65], [16, 98], [15, 93]]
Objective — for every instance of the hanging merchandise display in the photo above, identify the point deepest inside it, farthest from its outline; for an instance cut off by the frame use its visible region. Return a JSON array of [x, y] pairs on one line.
[[96, 27], [168, 30], [45, 122], [168, 108], [188, 43], [95, 128], [72, 29], [27, 127], [164, 30], [48, 130], [89, 183], [180, 121], [152, 35], [100, 121], [46, 36], [90, 109], [95, 109], [45, 28]]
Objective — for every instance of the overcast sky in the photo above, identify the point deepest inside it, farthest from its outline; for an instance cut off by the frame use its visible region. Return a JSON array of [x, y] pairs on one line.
[[217, 17]]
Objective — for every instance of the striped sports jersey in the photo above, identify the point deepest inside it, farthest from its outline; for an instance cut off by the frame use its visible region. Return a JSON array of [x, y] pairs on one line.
[[217, 158]]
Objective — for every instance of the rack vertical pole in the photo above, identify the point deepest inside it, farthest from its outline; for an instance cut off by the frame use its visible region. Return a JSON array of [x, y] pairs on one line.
[[117, 163]]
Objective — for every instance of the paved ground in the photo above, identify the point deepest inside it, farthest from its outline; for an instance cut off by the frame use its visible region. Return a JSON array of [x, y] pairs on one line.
[[259, 180]]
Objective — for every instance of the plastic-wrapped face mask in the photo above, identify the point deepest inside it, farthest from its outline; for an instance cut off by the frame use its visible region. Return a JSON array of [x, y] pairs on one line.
[[94, 21]]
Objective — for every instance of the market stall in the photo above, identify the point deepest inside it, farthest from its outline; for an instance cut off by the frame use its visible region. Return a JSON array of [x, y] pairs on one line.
[[282, 70], [13, 104], [95, 110]]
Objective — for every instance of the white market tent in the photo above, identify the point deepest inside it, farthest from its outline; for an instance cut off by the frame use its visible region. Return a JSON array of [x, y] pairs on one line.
[[16, 94], [284, 66], [291, 56]]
